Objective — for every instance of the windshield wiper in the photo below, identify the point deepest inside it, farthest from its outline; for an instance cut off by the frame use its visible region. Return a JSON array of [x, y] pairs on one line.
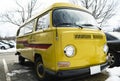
[[87, 25], [81, 25], [78, 26], [69, 24], [91, 25]]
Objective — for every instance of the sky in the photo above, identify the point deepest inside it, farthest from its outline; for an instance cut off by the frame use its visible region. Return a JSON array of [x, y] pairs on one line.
[[7, 29]]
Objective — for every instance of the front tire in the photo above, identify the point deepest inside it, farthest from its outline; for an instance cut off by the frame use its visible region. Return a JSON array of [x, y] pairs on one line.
[[40, 71]]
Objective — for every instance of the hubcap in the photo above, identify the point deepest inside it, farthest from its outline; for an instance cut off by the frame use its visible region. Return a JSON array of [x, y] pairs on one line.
[[111, 59], [40, 70]]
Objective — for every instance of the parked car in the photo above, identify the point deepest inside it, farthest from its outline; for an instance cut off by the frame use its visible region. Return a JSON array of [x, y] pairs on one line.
[[113, 41], [4, 46], [10, 43]]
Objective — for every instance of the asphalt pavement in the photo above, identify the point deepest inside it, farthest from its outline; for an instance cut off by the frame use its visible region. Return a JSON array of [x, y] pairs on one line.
[[11, 70]]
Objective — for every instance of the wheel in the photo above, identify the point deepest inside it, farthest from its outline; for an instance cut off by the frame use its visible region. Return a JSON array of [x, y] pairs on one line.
[[113, 59], [3, 48], [40, 71], [21, 59]]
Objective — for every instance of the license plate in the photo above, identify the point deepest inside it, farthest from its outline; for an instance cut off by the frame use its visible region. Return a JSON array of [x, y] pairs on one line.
[[95, 69]]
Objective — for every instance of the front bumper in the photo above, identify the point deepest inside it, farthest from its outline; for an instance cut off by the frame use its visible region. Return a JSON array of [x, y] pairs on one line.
[[76, 72]]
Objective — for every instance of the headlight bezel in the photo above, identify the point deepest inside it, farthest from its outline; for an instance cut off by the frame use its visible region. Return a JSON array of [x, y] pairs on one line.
[[69, 50]]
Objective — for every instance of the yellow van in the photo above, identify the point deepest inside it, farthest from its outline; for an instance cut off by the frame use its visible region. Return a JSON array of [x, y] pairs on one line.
[[64, 41]]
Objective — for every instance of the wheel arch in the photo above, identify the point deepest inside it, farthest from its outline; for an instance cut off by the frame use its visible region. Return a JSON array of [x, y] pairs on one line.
[[37, 57], [17, 53], [2, 47]]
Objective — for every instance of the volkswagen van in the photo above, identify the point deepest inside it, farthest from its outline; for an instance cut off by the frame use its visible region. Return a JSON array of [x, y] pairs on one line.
[[63, 41]]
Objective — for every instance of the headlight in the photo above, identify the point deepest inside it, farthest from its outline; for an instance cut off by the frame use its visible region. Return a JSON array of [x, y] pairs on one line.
[[69, 51], [105, 48]]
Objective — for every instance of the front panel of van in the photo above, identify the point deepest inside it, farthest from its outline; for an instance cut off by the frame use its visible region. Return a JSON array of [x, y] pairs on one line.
[[88, 48]]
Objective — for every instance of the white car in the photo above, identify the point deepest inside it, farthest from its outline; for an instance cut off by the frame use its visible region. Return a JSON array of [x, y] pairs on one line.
[[4, 46]]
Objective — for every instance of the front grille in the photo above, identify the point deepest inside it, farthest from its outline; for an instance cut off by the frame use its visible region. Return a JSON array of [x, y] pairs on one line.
[[82, 36], [88, 36], [99, 36]]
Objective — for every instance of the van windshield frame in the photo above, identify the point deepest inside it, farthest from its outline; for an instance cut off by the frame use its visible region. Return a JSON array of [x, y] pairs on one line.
[[73, 17]]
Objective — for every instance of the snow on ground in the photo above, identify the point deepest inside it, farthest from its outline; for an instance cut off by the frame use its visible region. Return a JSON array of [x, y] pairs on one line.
[[114, 74], [8, 50], [14, 72]]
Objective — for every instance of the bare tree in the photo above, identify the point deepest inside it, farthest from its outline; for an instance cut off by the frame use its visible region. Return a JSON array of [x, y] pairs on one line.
[[19, 15], [102, 10]]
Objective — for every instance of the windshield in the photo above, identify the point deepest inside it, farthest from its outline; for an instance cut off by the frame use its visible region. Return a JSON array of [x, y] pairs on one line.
[[73, 18]]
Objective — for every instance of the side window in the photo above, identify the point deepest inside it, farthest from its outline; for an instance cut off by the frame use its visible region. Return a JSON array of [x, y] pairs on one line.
[[43, 22], [28, 28], [21, 31]]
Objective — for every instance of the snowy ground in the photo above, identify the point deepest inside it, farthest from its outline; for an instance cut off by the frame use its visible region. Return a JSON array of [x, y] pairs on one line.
[[20, 71], [114, 74], [8, 50]]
